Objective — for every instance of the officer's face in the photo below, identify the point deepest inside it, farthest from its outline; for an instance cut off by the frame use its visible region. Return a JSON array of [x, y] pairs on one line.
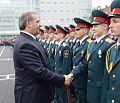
[[46, 35], [98, 30], [80, 33], [72, 34], [115, 26]]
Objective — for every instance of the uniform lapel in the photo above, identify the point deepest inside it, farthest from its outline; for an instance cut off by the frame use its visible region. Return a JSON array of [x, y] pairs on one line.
[[42, 50], [58, 48], [96, 47], [117, 54]]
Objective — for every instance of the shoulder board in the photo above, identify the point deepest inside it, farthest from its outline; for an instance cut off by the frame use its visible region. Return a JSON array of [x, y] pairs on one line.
[[64, 44], [89, 41], [109, 40]]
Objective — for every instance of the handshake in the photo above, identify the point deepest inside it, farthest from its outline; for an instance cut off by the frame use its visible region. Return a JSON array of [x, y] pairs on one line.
[[68, 79]]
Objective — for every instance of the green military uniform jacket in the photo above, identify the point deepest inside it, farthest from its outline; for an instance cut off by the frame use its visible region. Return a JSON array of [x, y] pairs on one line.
[[79, 54], [63, 59], [95, 64], [111, 84], [51, 52]]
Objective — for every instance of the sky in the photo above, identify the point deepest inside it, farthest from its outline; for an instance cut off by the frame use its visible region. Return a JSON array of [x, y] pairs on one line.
[[102, 3]]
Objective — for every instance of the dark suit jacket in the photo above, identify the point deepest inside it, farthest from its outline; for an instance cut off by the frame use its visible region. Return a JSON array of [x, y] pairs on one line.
[[34, 79]]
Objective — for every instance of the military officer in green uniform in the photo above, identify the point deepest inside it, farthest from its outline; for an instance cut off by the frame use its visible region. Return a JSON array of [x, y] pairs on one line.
[[80, 84], [46, 36], [112, 75], [72, 40], [51, 48], [62, 64], [94, 62], [72, 35]]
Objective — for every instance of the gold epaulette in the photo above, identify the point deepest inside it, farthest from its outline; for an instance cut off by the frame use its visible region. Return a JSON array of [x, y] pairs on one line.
[[109, 40], [89, 40]]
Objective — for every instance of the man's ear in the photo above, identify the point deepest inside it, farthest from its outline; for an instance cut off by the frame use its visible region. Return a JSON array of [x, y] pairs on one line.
[[28, 24]]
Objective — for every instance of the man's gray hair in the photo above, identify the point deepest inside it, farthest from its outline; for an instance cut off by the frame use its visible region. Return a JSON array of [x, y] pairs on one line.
[[24, 18]]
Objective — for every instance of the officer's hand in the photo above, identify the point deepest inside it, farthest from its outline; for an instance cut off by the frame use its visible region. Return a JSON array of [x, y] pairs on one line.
[[68, 79]]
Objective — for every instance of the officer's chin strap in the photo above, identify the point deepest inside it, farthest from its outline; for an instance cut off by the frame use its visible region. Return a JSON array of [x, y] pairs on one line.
[[68, 93]]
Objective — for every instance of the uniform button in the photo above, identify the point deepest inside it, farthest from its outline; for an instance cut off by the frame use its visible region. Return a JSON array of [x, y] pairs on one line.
[[88, 80], [89, 61], [113, 75], [113, 101], [113, 88], [89, 71]]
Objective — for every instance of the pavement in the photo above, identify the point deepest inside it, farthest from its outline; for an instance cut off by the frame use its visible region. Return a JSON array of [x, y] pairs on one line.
[[6, 75]]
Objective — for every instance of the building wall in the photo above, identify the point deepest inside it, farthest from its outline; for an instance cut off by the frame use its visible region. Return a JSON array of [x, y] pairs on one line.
[[62, 12], [10, 10], [51, 12]]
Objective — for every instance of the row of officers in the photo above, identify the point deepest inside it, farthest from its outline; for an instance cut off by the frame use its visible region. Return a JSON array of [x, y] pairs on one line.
[[93, 60]]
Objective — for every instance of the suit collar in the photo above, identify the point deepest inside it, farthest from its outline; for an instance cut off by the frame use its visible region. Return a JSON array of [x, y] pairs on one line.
[[31, 35]]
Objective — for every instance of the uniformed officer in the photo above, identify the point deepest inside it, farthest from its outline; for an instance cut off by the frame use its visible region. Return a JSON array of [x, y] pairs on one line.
[[67, 36], [62, 64], [69, 41], [94, 61], [112, 75], [72, 27], [72, 39], [79, 52], [51, 48], [40, 34], [47, 28], [46, 37]]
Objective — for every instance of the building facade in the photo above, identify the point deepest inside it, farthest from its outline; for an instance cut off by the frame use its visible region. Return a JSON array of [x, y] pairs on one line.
[[51, 12], [63, 11], [10, 10]]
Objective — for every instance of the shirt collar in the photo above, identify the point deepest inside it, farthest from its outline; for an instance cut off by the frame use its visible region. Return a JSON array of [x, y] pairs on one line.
[[100, 38], [83, 39], [118, 44], [28, 34]]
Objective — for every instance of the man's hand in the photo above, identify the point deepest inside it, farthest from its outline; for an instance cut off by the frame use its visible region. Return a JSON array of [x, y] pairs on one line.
[[68, 79]]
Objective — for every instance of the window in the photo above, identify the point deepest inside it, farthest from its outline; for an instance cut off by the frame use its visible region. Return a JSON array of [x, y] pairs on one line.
[[61, 2], [42, 10], [55, 3], [68, 10], [61, 10], [61, 19], [49, 11], [55, 11]]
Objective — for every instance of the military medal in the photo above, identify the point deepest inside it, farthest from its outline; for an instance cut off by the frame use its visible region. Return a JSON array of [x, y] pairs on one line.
[[99, 53], [66, 53], [82, 52]]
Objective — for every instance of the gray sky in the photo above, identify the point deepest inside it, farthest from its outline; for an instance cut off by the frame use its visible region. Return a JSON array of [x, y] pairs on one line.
[[101, 3]]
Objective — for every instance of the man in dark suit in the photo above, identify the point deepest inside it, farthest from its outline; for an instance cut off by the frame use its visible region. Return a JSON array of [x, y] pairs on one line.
[[34, 79]]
